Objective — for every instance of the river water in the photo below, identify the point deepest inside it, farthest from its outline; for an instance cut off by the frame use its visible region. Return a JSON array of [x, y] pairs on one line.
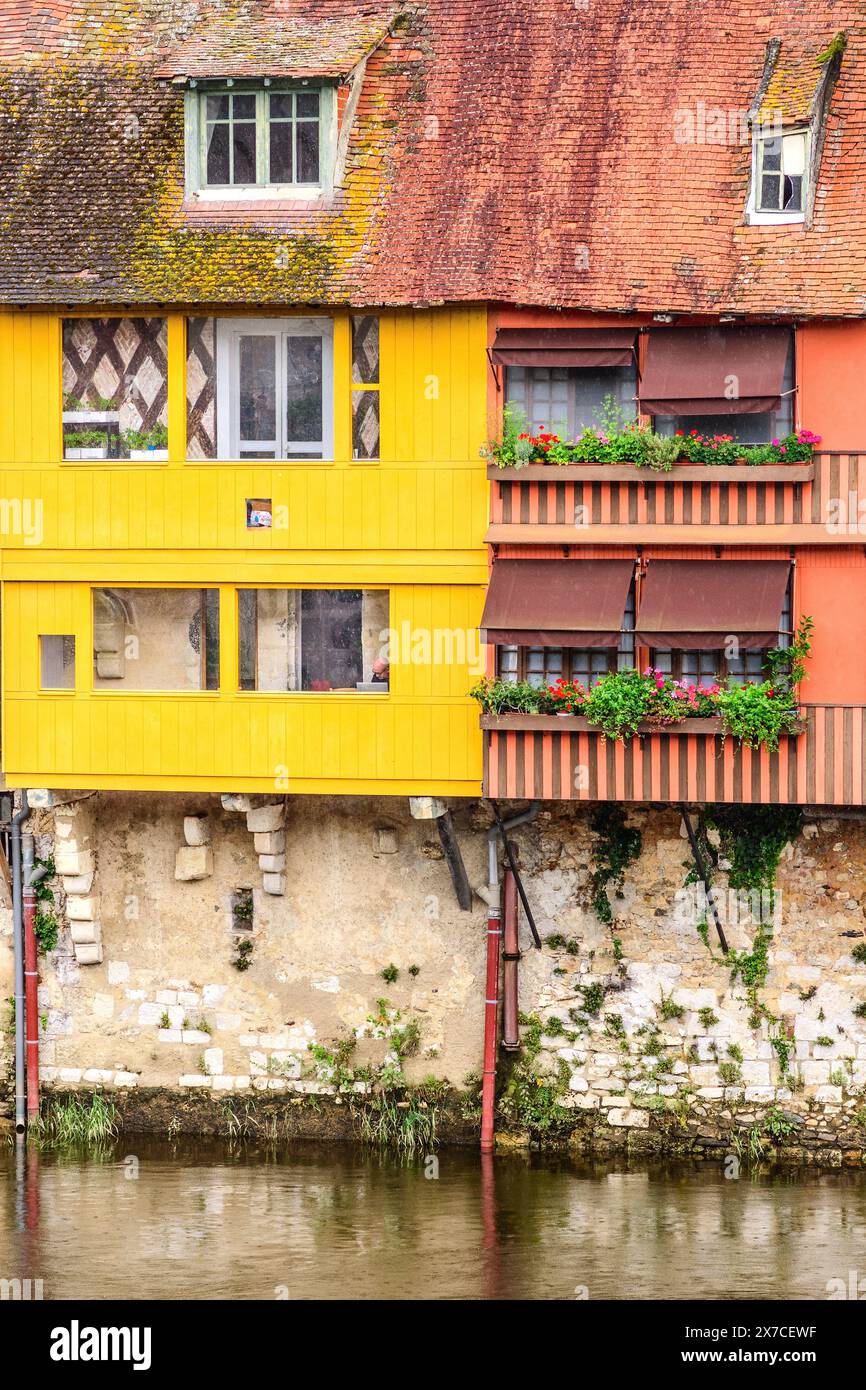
[[195, 1220]]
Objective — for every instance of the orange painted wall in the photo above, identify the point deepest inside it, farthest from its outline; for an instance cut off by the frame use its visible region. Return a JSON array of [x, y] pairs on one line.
[[832, 590], [831, 371]]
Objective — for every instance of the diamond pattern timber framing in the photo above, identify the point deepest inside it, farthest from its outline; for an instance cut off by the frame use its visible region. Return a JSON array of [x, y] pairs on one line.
[[201, 425], [366, 432], [122, 360]]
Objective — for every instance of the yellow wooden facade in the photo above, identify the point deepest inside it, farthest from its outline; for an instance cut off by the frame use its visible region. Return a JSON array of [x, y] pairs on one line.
[[412, 523]]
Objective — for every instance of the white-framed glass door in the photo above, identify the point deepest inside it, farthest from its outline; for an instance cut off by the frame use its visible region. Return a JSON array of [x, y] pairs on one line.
[[275, 393]]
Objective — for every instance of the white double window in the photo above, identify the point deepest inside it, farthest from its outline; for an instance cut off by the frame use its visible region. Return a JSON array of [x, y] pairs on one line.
[[275, 394]]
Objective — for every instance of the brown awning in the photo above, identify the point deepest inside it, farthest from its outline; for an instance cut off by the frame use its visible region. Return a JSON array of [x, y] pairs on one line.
[[699, 605], [556, 603], [714, 371], [564, 347]]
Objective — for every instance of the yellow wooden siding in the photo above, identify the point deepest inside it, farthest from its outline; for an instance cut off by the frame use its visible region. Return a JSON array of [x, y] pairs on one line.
[[421, 737], [433, 389]]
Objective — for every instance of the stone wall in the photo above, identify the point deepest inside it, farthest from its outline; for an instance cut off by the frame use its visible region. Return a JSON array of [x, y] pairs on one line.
[[636, 1031]]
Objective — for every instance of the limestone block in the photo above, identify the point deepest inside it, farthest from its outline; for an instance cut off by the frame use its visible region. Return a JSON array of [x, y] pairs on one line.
[[242, 1083], [84, 933], [825, 1095], [125, 1078], [176, 1015], [195, 1079], [97, 1077], [272, 863], [47, 1073], [634, 1119], [578, 1083], [386, 840], [249, 1039], [188, 998], [196, 1037], [235, 801], [213, 995], [166, 996], [228, 1023], [815, 1073], [223, 1083], [64, 827], [73, 862], [118, 972], [809, 1029], [40, 798], [103, 1005], [81, 909], [71, 1075], [263, 819], [170, 1035], [586, 1102], [760, 1093], [274, 884], [78, 883], [89, 954], [270, 842], [149, 1014], [756, 1073], [213, 1060], [196, 830], [710, 1092], [193, 862]]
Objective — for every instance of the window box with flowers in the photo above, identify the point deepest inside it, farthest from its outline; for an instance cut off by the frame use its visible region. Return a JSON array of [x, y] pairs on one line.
[[629, 704], [620, 450]]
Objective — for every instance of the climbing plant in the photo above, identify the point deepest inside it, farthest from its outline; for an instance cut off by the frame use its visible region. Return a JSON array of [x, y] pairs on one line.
[[45, 926], [616, 845]]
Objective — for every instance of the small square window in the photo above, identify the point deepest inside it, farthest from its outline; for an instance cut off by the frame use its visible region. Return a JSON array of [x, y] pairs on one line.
[[57, 662], [780, 174], [259, 513]]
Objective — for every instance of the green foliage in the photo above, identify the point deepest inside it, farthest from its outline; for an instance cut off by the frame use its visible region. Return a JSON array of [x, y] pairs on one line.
[[735, 1053], [45, 924], [730, 1073], [530, 1100], [615, 847], [557, 942], [708, 1018], [860, 1011], [156, 438], [390, 974], [859, 952], [85, 439], [72, 1121], [243, 953], [670, 1010]]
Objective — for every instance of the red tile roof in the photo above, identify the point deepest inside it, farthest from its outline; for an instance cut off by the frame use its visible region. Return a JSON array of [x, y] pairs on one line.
[[527, 154]]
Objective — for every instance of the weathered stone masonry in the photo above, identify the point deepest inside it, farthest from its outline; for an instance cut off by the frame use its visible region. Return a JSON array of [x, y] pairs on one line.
[[644, 1036]]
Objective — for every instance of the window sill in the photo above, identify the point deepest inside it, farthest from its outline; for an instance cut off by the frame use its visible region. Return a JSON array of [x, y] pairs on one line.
[[775, 219], [680, 473]]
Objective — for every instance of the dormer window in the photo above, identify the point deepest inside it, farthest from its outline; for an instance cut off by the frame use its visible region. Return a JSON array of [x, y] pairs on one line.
[[265, 140], [781, 173]]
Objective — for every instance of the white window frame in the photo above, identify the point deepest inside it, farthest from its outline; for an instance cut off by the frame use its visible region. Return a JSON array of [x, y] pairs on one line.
[[228, 335], [756, 216], [195, 134]]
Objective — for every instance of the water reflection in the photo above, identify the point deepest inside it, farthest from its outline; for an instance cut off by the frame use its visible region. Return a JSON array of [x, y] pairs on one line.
[[156, 1220]]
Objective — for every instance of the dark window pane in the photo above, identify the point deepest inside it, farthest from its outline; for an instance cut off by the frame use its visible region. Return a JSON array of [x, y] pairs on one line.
[[770, 188], [217, 108], [218, 154], [244, 140], [258, 389], [281, 105], [330, 639], [211, 639], [303, 389], [247, 638], [308, 103], [308, 151], [793, 193], [281, 153], [244, 108], [772, 154]]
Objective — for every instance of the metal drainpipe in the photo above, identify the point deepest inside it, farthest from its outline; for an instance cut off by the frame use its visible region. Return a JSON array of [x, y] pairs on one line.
[[31, 877], [18, 929], [492, 896]]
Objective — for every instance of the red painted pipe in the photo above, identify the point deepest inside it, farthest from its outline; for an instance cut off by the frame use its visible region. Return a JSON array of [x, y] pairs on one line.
[[491, 1022], [31, 1004], [511, 955]]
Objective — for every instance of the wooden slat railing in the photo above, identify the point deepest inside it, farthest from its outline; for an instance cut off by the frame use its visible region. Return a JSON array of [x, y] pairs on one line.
[[823, 766], [826, 495]]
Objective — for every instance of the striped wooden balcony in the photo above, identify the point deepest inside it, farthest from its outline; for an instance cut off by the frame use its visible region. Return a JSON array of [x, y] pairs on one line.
[[817, 503], [553, 759]]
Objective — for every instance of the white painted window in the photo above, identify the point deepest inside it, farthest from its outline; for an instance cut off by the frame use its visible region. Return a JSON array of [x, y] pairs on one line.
[[779, 176], [275, 394]]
